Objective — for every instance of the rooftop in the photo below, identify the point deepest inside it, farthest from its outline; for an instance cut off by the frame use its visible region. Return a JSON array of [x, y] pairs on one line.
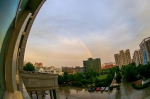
[[144, 40]]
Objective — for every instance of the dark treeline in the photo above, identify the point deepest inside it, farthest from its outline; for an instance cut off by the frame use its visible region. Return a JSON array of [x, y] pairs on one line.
[[29, 67], [90, 78], [77, 79], [132, 72]]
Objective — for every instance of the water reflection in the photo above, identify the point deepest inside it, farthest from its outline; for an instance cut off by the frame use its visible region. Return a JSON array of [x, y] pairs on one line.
[[118, 95], [126, 92], [67, 90], [71, 89], [82, 93]]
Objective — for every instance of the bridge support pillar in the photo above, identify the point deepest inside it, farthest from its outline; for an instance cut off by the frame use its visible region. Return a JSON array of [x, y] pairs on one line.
[[39, 94], [51, 94], [57, 95]]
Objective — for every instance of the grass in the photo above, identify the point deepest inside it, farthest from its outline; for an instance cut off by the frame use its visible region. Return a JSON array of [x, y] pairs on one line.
[[102, 77], [139, 85]]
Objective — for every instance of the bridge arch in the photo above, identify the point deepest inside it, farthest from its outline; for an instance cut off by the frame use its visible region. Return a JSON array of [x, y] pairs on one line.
[[16, 19]]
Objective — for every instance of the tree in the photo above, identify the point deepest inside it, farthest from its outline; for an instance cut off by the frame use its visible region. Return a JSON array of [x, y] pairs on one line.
[[29, 67], [118, 78], [117, 69], [144, 70], [60, 79], [70, 77], [130, 72], [65, 76], [123, 69]]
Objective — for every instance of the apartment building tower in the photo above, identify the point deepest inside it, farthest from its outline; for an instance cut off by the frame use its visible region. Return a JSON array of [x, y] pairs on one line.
[[137, 57], [122, 58], [92, 65], [145, 50]]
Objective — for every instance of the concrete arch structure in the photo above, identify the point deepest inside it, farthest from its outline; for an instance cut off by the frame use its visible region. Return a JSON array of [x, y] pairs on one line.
[[16, 20]]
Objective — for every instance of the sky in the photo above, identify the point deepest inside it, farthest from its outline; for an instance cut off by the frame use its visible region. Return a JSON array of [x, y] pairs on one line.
[[66, 32]]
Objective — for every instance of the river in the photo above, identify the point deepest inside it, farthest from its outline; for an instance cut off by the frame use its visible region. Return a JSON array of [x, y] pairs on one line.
[[82, 93], [126, 92]]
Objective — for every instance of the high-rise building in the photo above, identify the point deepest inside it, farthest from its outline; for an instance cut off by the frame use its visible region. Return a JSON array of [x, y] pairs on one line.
[[127, 57], [145, 50], [137, 57], [92, 65], [122, 58], [117, 59]]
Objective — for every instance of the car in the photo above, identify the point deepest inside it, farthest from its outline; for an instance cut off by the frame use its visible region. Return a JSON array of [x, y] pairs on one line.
[[98, 88], [93, 89], [102, 88], [90, 89], [107, 88]]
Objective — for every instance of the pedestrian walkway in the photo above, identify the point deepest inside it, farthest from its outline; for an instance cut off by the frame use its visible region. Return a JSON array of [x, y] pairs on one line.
[[114, 83], [147, 97]]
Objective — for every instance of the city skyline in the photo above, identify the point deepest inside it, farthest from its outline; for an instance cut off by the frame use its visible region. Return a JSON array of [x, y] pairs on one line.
[[67, 32]]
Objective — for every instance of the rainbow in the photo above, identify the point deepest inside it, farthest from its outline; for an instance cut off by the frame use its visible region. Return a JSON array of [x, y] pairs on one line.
[[82, 44], [85, 48]]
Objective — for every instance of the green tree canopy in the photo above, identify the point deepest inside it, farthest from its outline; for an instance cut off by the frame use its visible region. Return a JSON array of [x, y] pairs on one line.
[[144, 70], [29, 67], [118, 78], [65, 76], [130, 72]]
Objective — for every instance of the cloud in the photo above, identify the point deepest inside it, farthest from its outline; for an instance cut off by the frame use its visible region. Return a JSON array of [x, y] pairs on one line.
[[104, 26]]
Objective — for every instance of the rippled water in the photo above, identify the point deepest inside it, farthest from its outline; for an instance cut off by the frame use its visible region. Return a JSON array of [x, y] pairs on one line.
[[82, 93], [126, 92]]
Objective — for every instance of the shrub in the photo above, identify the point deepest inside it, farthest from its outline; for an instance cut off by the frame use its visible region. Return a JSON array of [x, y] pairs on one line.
[[29, 67], [140, 86]]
